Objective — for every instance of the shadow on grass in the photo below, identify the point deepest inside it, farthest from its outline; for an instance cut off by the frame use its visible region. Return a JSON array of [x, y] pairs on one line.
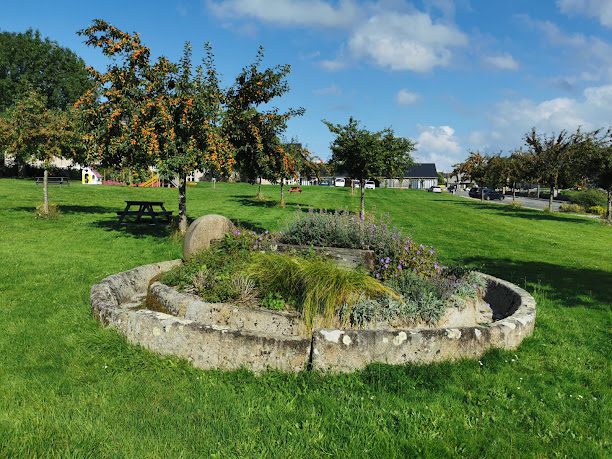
[[137, 230], [520, 212], [589, 288], [72, 209], [251, 201]]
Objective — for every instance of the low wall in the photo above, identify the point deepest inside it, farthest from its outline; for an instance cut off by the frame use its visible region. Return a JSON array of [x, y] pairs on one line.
[[228, 337]]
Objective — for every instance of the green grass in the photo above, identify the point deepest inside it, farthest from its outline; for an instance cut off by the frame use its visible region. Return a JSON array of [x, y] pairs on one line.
[[70, 388]]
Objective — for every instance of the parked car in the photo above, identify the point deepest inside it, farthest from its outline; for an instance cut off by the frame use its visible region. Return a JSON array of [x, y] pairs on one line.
[[356, 184], [487, 193], [324, 183], [434, 189], [370, 185], [339, 182]]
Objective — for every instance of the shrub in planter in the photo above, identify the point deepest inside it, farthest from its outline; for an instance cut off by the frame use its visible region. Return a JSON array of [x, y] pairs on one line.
[[572, 208], [394, 252], [597, 210]]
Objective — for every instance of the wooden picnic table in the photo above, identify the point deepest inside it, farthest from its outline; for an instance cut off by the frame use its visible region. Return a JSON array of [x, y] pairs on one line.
[[145, 208]]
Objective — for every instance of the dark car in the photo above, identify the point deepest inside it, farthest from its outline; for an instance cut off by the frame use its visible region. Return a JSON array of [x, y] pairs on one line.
[[487, 193]]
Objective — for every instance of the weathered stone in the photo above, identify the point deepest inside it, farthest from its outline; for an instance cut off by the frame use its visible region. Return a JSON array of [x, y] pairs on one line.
[[204, 230], [228, 337]]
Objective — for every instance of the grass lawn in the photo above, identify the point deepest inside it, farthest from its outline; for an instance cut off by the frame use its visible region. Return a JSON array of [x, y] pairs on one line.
[[70, 388]]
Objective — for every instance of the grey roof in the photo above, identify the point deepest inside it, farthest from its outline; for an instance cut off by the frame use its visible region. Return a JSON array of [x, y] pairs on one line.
[[423, 170]]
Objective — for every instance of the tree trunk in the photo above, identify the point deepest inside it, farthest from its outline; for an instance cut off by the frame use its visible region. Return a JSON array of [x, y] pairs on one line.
[[513, 191], [259, 195], [538, 192], [46, 192], [352, 188], [21, 168], [362, 200], [182, 189], [282, 197], [481, 193], [609, 211], [550, 198]]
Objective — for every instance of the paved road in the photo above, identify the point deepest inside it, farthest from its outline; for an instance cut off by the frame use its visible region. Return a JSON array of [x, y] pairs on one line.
[[530, 203]]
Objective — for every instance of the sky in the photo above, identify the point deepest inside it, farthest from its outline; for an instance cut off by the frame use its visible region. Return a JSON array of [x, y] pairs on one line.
[[452, 75]]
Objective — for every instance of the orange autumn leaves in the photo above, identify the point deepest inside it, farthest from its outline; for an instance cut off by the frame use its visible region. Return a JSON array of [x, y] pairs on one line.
[[138, 115]]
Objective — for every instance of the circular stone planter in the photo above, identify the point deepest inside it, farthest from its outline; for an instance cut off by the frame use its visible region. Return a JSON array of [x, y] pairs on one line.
[[226, 336]]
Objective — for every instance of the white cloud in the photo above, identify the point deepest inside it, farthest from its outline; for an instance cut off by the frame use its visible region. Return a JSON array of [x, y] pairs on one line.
[[405, 97], [592, 52], [406, 41], [600, 9], [289, 12], [502, 61], [438, 144], [511, 119], [332, 65], [332, 90]]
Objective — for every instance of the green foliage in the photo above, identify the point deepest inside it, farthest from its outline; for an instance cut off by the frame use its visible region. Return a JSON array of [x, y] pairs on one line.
[[364, 154], [394, 252], [142, 113], [571, 208], [53, 211], [216, 274], [254, 132], [29, 61], [315, 286], [597, 210], [587, 198], [274, 301]]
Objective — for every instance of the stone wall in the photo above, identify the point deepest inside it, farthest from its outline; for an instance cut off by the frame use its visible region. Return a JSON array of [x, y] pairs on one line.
[[227, 336]]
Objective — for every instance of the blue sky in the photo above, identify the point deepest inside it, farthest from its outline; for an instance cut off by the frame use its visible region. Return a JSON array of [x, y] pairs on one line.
[[453, 75]]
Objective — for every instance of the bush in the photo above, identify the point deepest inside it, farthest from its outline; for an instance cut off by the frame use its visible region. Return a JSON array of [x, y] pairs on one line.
[[573, 208], [316, 286], [597, 210], [394, 252], [587, 198]]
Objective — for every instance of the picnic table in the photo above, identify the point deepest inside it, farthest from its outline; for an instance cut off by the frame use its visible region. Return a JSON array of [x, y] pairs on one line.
[[53, 180], [145, 208]]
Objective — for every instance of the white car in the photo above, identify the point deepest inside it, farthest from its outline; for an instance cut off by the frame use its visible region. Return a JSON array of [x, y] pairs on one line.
[[339, 182], [434, 189], [356, 184], [370, 185]]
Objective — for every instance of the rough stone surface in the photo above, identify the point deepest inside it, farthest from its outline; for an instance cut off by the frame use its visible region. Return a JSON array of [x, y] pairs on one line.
[[204, 230], [228, 337], [258, 320], [330, 352]]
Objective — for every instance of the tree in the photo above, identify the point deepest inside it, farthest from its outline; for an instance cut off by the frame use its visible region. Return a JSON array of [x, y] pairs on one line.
[[29, 61], [31, 131], [255, 133], [598, 164], [365, 154], [517, 169], [494, 171], [397, 155], [553, 159], [154, 114], [473, 168]]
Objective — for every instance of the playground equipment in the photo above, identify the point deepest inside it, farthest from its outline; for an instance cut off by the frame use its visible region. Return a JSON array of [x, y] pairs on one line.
[[153, 182], [90, 176]]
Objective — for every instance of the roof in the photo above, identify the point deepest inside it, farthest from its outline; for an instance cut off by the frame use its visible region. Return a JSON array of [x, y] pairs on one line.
[[422, 170]]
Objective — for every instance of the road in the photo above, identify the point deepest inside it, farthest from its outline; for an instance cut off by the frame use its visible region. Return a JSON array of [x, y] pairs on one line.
[[529, 203]]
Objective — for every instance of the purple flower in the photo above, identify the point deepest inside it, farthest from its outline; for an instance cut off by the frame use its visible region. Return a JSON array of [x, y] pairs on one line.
[[387, 260], [236, 232], [436, 266], [377, 275]]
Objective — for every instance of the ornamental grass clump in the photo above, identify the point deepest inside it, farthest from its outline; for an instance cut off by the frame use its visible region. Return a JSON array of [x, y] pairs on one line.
[[394, 252], [315, 286]]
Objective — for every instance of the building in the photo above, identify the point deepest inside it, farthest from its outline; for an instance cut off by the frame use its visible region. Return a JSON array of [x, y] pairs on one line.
[[420, 177]]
